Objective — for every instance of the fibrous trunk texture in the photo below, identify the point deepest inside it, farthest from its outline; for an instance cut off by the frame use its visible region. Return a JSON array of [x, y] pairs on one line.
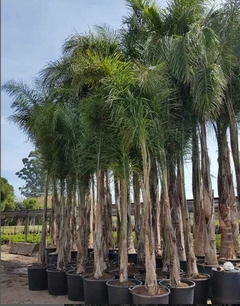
[[192, 270], [198, 224], [176, 210], [208, 203], [54, 214], [99, 263], [150, 261], [118, 206], [226, 194], [42, 244], [138, 218]]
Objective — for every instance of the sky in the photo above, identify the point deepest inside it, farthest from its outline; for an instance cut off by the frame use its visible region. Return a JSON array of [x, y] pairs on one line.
[[33, 32]]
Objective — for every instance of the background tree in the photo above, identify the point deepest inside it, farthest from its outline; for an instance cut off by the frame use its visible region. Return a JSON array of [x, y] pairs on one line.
[[7, 195], [33, 175]]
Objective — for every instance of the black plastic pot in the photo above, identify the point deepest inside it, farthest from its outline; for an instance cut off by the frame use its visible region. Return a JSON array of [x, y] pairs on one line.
[[132, 258], [202, 268], [201, 289], [159, 262], [49, 250], [180, 295], [113, 255], [120, 294], [37, 278], [200, 256], [95, 290], [144, 299], [57, 282], [73, 255], [75, 286], [53, 257], [131, 274], [90, 253], [226, 286], [183, 265]]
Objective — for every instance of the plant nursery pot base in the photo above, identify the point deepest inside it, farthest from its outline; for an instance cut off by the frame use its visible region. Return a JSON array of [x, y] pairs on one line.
[[57, 282], [141, 296], [37, 278], [75, 286], [119, 293]]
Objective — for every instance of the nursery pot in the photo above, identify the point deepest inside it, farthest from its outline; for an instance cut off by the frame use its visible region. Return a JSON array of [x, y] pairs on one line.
[[201, 288], [73, 255], [37, 278], [95, 290], [202, 268], [49, 250], [120, 294], [159, 262], [183, 265], [53, 257], [90, 253], [132, 258], [113, 255], [225, 286], [140, 298], [131, 273], [180, 295], [75, 286], [57, 282]]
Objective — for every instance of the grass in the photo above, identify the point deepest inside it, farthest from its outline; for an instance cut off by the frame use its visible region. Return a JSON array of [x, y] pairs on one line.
[[31, 238]]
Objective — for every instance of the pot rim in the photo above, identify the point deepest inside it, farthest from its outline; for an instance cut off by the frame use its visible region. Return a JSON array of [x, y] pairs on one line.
[[148, 296], [86, 278], [124, 287], [184, 281]]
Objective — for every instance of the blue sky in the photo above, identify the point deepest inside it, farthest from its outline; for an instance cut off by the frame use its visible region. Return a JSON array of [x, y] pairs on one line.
[[33, 32]]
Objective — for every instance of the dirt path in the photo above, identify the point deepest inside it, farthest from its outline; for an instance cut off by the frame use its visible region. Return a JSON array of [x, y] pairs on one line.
[[14, 282]]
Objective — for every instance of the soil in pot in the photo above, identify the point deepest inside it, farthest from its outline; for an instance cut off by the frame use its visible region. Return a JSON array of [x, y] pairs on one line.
[[119, 293], [37, 277], [57, 282], [95, 290], [226, 286], [141, 296], [75, 286], [183, 294]]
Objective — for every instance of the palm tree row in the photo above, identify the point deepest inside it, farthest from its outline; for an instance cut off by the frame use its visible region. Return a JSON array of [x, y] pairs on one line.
[[130, 105]]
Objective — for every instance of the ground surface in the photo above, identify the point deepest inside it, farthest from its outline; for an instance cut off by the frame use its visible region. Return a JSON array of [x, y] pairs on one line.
[[14, 282]]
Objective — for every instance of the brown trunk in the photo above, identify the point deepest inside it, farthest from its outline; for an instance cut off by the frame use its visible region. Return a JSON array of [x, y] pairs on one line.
[[149, 245], [138, 218], [54, 227], [154, 193], [118, 206], [170, 254], [110, 242], [123, 233], [68, 229], [84, 227], [225, 192], [190, 255], [208, 204], [92, 216], [26, 228], [198, 225], [176, 210], [42, 244], [63, 216], [130, 244], [99, 264]]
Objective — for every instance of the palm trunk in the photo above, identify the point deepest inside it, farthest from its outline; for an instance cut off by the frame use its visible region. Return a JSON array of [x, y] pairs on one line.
[[84, 227], [130, 244], [110, 242], [154, 193], [225, 192], [123, 242], [42, 244], [118, 207], [198, 225], [209, 224], [149, 245], [68, 228], [169, 237], [99, 264], [61, 259], [138, 219], [54, 215], [192, 270], [92, 216], [176, 211]]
